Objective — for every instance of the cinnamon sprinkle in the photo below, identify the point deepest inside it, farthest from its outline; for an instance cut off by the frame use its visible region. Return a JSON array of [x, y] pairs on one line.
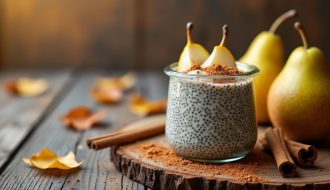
[[243, 171], [221, 70], [194, 67], [215, 70]]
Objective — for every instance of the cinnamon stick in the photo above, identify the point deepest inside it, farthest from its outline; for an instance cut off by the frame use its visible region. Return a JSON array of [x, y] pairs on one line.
[[136, 130], [303, 154], [285, 163]]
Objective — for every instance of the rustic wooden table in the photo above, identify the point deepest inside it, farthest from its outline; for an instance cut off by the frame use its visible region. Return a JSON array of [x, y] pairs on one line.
[[27, 125]]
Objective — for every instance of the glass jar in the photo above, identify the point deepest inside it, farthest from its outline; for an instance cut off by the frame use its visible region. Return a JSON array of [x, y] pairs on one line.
[[211, 118]]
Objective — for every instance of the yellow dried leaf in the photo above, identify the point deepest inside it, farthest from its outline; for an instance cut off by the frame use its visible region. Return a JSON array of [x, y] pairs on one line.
[[109, 90], [82, 118], [124, 82], [48, 159], [107, 96], [141, 106], [128, 80], [27, 86]]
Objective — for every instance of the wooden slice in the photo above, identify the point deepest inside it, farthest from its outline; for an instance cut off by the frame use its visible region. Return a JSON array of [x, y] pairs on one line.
[[152, 162]]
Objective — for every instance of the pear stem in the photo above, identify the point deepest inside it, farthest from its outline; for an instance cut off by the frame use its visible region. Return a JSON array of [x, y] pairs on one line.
[[285, 16], [190, 27], [224, 34], [299, 27]]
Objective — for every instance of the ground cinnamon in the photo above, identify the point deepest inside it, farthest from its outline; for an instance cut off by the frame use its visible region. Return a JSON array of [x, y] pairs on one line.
[[221, 70], [244, 170], [284, 161], [194, 67], [215, 70]]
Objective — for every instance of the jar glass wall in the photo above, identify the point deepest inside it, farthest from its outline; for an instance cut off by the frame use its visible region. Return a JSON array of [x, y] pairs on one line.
[[211, 118]]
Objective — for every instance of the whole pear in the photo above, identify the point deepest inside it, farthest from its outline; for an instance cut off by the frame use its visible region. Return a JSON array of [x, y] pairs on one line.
[[299, 98], [267, 53]]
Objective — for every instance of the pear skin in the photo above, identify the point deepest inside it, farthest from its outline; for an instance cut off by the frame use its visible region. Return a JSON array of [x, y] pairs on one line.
[[220, 54], [299, 98], [192, 54], [267, 53]]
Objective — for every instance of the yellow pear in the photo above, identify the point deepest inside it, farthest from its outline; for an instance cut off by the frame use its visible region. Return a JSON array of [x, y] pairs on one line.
[[299, 98], [267, 53], [220, 54], [193, 53]]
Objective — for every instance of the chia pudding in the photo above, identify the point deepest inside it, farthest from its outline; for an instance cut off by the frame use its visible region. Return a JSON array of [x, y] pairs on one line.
[[211, 119]]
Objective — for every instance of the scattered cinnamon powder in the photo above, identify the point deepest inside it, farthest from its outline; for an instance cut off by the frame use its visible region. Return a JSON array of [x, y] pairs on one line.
[[194, 67], [221, 70], [215, 70], [243, 171]]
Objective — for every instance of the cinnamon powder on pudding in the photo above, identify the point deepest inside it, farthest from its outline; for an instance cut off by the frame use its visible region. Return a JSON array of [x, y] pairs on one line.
[[244, 170], [221, 70], [215, 70], [194, 67]]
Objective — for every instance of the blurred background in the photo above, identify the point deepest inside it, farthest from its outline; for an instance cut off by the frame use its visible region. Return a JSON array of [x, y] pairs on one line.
[[141, 34]]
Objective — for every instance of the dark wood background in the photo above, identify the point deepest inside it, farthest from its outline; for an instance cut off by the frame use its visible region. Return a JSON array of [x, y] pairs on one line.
[[141, 34]]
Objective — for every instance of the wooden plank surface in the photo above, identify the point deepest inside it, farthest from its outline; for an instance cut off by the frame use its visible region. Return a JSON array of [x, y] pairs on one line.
[[101, 174], [97, 172], [19, 116]]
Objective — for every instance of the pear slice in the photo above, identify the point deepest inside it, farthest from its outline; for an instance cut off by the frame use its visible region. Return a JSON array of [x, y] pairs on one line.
[[220, 54], [193, 53]]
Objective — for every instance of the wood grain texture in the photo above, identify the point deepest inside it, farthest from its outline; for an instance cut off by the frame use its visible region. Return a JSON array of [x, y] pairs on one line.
[[160, 175], [19, 116], [97, 171]]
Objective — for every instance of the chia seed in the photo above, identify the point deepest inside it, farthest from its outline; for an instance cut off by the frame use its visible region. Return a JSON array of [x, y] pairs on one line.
[[211, 121]]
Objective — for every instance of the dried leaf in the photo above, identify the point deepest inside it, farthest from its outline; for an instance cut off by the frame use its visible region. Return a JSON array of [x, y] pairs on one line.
[[110, 90], [124, 82], [128, 80], [107, 96], [142, 106], [27, 86], [11, 87], [82, 118], [48, 159]]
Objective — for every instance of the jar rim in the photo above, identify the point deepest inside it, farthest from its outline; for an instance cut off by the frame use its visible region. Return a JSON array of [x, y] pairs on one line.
[[248, 70]]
